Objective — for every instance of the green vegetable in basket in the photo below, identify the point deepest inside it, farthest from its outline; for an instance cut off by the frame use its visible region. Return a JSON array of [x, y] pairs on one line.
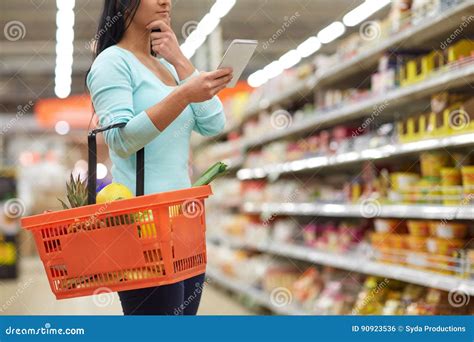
[[216, 170]]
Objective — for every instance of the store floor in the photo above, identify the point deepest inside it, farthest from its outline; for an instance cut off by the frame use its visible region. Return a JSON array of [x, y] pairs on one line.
[[31, 295]]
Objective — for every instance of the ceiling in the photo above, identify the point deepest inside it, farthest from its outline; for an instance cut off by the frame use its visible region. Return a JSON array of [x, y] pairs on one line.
[[27, 64]]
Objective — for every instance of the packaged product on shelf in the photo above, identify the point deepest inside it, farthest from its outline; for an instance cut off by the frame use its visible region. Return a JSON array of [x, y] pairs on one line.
[[399, 14], [285, 230], [307, 287]]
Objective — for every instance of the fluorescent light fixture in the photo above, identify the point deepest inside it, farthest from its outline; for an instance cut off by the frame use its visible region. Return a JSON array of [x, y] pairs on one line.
[[64, 53], [257, 79], [331, 32], [308, 47], [206, 26], [273, 69], [289, 59], [222, 7], [363, 11]]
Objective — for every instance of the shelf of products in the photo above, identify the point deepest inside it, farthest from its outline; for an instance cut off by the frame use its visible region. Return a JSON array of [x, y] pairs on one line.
[[442, 81], [287, 288], [11, 210], [257, 295], [386, 151], [357, 55], [434, 212], [400, 205]]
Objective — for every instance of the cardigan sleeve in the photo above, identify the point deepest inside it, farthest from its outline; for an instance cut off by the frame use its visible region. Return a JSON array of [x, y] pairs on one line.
[[111, 87], [208, 115]]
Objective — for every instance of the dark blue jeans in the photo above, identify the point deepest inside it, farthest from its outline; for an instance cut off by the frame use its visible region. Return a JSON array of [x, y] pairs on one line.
[[178, 299]]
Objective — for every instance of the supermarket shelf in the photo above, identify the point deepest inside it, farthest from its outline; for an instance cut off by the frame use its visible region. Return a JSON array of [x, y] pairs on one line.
[[409, 38], [441, 81], [356, 262], [259, 296], [382, 152], [300, 89], [369, 208]]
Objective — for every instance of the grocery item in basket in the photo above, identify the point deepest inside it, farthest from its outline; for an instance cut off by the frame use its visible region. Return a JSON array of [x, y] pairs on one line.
[[448, 230], [76, 193], [418, 227], [216, 170], [113, 192]]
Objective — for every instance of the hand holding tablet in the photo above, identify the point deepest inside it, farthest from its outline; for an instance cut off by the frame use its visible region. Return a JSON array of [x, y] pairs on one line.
[[237, 57]]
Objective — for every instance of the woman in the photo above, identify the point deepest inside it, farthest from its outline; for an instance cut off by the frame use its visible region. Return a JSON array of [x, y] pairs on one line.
[[161, 101]]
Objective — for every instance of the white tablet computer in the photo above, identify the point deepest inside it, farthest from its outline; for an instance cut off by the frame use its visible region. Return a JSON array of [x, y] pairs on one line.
[[237, 57]]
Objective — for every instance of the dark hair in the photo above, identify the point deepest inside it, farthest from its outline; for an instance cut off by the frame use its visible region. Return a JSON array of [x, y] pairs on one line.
[[115, 18]]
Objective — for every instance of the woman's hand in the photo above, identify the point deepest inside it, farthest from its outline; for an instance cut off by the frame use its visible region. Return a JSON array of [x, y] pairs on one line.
[[165, 43], [204, 86]]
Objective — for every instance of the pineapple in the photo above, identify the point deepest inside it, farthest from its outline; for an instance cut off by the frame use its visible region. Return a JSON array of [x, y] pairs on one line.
[[76, 193]]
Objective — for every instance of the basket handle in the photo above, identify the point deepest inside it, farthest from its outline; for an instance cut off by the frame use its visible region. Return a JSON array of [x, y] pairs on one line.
[[92, 176]]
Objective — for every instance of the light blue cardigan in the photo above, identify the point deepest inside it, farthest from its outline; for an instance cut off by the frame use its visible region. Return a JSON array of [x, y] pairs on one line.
[[122, 88]]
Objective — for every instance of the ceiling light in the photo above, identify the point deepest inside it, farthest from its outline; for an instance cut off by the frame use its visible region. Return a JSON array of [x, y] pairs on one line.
[[363, 11], [289, 59], [257, 79], [331, 32], [273, 69], [222, 7], [308, 47]]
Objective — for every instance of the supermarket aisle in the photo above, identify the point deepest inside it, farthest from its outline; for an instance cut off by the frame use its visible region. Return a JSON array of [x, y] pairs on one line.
[[30, 295]]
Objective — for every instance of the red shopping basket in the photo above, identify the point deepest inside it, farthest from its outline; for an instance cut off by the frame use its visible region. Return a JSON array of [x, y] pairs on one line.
[[141, 242]]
